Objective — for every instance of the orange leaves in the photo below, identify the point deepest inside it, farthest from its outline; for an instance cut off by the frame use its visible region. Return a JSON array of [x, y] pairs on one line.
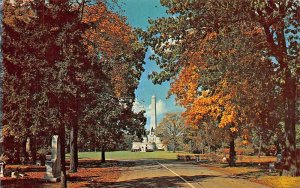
[[94, 13], [111, 41], [219, 103], [201, 104], [186, 85], [108, 33], [255, 31]]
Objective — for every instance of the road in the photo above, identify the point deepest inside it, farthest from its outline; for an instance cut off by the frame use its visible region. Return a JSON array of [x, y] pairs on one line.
[[170, 173]]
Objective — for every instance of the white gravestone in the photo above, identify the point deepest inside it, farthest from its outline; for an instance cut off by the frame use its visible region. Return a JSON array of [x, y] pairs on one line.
[[53, 165], [2, 165]]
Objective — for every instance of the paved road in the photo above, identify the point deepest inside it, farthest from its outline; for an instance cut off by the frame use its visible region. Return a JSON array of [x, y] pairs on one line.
[[164, 173]]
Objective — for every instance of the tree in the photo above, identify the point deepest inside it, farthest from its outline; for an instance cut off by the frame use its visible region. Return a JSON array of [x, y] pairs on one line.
[[49, 75], [42, 74], [171, 130], [280, 22], [206, 49], [117, 59]]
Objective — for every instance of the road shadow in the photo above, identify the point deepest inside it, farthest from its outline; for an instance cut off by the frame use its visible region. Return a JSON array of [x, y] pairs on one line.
[[248, 175], [163, 181], [98, 164]]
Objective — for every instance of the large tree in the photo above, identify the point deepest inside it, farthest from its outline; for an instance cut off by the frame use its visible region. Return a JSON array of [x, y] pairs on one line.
[[117, 59], [41, 63], [220, 59], [280, 23]]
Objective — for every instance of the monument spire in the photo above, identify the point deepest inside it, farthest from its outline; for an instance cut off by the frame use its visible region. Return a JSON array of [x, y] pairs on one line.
[[153, 123]]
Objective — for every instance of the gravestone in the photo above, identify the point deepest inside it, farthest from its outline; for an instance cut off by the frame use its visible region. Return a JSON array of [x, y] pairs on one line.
[[279, 158], [272, 167], [28, 145], [2, 165], [53, 164]]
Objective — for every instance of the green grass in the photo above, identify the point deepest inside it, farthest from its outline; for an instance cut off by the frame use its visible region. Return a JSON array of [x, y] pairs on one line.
[[127, 155]]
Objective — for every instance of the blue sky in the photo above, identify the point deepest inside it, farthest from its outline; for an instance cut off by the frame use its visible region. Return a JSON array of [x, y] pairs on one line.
[[138, 12]]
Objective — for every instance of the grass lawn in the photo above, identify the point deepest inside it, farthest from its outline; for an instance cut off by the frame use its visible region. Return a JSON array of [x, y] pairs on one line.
[[128, 155]]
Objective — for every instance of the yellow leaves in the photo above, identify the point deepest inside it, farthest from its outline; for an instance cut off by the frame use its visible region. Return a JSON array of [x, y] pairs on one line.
[[233, 129], [5, 131]]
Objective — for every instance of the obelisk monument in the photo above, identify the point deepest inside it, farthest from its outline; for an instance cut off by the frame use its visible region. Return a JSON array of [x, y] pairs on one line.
[[153, 123], [150, 142]]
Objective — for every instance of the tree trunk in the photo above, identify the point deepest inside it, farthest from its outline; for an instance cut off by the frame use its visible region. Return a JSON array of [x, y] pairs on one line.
[[290, 160], [16, 156], [23, 151], [16, 153], [103, 154], [259, 148], [73, 149], [33, 149], [232, 152], [175, 146], [63, 176]]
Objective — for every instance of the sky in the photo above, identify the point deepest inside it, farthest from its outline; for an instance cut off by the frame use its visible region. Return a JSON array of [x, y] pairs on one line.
[[138, 12]]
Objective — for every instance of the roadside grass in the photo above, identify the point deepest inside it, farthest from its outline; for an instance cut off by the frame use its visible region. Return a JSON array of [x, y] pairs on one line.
[[128, 155], [257, 170], [281, 181], [258, 175]]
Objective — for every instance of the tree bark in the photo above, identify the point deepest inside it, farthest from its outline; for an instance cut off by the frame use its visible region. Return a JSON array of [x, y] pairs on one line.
[[63, 175], [290, 160], [103, 154], [33, 149], [232, 152], [23, 150], [259, 148], [73, 148]]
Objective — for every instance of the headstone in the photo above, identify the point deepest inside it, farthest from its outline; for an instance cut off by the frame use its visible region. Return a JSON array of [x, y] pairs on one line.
[[14, 175], [224, 159], [272, 167], [38, 163], [2, 166], [53, 165], [28, 145], [279, 158]]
